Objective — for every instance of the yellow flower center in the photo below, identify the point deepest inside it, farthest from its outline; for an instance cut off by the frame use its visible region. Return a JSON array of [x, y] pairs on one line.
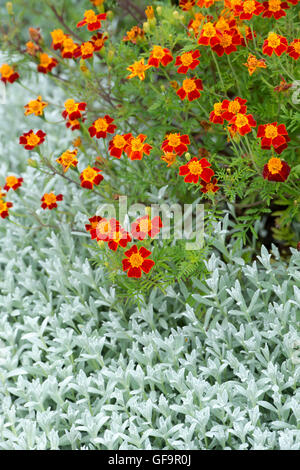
[[45, 60], [274, 165], [119, 141], [89, 174], [71, 106], [209, 30], [218, 109], [226, 40], [6, 70], [249, 6], [58, 35], [139, 67], [210, 187], [103, 227], [222, 24], [136, 145], [3, 206], [186, 59], [297, 47], [145, 225], [195, 168], [11, 181], [271, 131], [158, 52], [234, 107], [273, 40], [241, 120], [136, 260], [69, 45], [90, 16], [188, 85], [33, 139], [49, 198], [87, 48], [117, 236], [101, 125], [274, 5], [68, 157], [174, 140]]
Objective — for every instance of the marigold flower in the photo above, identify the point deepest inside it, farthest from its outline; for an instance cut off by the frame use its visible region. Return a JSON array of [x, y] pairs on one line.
[[186, 5], [159, 56], [67, 159], [117, 145], [8, 74], [149, 12], [136, 147], [274, 8], [169, 158], [283, 86], [12, 182], [176, 142], [68, 48], [190, 89], [294, 49], [74, 125], [31, 140], [195, 24], [226, 42], [187, 60], [210, 187], [97, 3], [73, 110], [90, 177], [242, 123], [275, 43], [216, 116], [205, 3], [77, 142], [136, 261], [253, 63], [273, 135], [46, 63], [85, 50], [35, 34], [119, 237], [35, 107], [276, 170], [196, 169], [92, 20], [138, 69], [93, 224], [32, 48], [49, 200], [4, 206], [231, 108], [98, 41], [58, 37], [135, 34], [102, 126], [246, 10], [145, 227], [208, 32]]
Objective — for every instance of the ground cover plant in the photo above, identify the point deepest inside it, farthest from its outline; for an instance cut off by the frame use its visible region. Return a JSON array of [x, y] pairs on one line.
[[120, 334]]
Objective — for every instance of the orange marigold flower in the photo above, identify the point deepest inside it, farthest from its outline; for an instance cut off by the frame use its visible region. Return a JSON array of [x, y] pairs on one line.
[[12, 182], [46, 63], [145, 227], [102, 126], [136, 261], [216, 116], [274, 8], [294, 49], [186, 5], [117, 145], [49, 200], [31, 140], [68, 48], [275, 43], [246, 10], [100, 228], [35, 34], [32, 48], [93, 224], [149, 12], [98, 41], [4, 206], [176, 142], [58, 37], [283, 86], [138, 69], [226, 42], [190, 89], [242, 123], [74, 125], [253, 63], [92, 20], [67, 159], [119, 237], [77, 142], [187, 60], [208, 32], [135, 34], [210, 187], [276, 170], [35, 107], [97, 3], [205, 3], [160, 55], [73, 110], [196, 169], [136, 147], [231, 108], [8, 74], [85, 50], [273, 135], [90, 177], [169, 158], [195, 24]]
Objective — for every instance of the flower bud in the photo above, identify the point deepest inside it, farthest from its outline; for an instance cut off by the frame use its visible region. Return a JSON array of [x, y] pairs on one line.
[[146, 27], [32, 163], [187, 156], [159, 10], [9, 8]]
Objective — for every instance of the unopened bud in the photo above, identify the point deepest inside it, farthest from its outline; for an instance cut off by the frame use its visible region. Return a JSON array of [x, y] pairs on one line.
[[187, 155], [9, 8], [146, 27], [32, 163], [159, 10]]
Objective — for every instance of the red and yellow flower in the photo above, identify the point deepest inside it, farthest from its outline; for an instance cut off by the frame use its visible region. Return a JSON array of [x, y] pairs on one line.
[[137, 261], [136, 147], [58, 37], [8, 74], [92, 20], [85, 50], [190, 89], [73, 110], [205, 3], [294, 49], [196, 169], [208, 33], [195, 24], [98, 41], [245, 10], [210, 187], [134, 35], [145, 227], [46, 63], [226, 42], [35, 107], [160, 55], [231, 108], [273, 135], [49, 200], [242, 123], [4, 206], [102, 126], [274, 8], [175, 142], [12, 182], [32, 48], [253, 63], [73, 125], [275, 43], [90, 177], [117, 145], [138, 69], [169, 158], [216, 116], [68, 159], [186, 5], [276, 170], [68, 48], [187, 61], [30, 140]]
